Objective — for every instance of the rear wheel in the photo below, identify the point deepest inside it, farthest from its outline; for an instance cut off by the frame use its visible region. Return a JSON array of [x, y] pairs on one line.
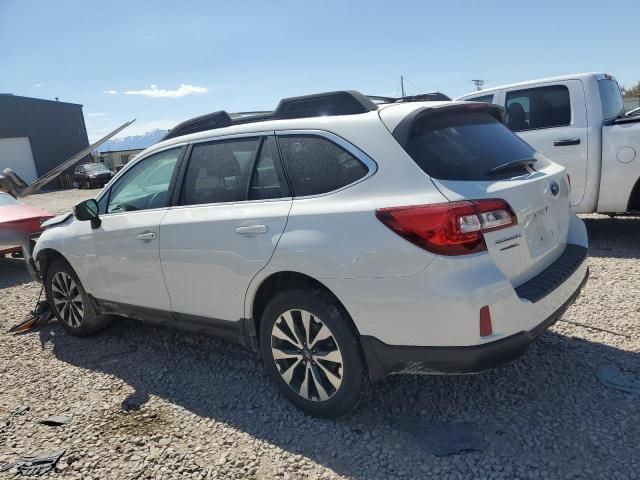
[[311, 352], [69, 301]]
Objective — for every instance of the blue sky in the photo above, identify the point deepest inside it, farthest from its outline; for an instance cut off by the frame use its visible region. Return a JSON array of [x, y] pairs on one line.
[[202, 56]]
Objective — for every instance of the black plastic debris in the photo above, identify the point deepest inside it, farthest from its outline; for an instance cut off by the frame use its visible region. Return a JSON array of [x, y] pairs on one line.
[[56, 420], [443, 439], [38, 465], [612, 377]]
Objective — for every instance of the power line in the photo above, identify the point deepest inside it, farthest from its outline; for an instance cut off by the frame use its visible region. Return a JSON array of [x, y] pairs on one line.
[[415, 86]]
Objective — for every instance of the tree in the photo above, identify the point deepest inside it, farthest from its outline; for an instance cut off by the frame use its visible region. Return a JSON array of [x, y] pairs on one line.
[[631, 92]]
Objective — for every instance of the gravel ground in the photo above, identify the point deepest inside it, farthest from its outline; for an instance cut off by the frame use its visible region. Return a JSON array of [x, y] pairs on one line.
[[153, 403]]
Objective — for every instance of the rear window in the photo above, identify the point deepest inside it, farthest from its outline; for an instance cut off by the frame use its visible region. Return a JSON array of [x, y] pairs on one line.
[[611, 99], [465, 145]]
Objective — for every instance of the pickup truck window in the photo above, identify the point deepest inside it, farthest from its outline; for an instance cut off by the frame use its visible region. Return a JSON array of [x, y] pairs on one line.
[[610, 98], [541, 107], [467, 146], [482, 98]]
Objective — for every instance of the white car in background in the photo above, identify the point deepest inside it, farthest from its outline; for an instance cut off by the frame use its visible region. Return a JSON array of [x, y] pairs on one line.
[[342, 239]]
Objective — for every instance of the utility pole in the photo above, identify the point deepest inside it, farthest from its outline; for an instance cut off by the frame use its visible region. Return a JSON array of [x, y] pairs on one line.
[[478, 83], [402, 85]]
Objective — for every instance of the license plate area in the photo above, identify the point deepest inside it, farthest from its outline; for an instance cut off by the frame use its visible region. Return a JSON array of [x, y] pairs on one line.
[[542, 229]]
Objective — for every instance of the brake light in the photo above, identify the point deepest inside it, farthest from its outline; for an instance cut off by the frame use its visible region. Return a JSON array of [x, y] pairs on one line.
[[454, 228]]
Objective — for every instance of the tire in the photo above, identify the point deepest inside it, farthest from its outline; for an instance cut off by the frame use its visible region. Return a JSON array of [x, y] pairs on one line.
[[316, 385], [69, 301]]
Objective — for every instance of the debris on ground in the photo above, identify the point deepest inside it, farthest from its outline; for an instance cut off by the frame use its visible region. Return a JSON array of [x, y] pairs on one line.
[[442, 439], [612, 377], [55, 420], [39, 316], [37, 465]]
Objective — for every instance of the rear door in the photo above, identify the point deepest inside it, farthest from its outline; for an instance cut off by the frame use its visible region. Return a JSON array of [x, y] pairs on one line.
[[466, 152], [232, 210], [552, 118]]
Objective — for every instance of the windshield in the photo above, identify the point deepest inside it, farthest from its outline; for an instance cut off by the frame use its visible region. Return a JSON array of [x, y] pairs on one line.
[[467, 145], [95, 167], [611, 99], [6, 200]]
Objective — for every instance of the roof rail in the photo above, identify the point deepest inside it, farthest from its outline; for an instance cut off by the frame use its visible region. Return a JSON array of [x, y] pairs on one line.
[[341, 102], [209, 121]]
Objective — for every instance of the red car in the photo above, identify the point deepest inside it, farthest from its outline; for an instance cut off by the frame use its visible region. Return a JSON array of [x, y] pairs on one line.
[[18, 222]]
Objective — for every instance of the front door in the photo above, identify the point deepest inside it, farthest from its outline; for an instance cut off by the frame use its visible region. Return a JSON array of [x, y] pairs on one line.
[[126, 257], [553, 120], [233, 209]]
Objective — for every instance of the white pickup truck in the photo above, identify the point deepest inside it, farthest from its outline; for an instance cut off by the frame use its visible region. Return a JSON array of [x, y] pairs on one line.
[[578, 121]]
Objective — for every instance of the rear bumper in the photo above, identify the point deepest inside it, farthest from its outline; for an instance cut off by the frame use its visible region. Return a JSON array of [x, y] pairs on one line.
[[383, 359]]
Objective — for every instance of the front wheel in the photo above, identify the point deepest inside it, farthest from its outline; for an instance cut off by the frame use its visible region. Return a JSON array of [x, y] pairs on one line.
[[69, 301], [311, 352]]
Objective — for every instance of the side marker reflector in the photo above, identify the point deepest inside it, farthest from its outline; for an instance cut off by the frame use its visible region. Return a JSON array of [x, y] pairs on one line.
[[486, 328]]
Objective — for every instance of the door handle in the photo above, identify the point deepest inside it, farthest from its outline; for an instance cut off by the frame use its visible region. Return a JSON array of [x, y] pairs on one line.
[[146, 237], [251, 230], [566, 142]]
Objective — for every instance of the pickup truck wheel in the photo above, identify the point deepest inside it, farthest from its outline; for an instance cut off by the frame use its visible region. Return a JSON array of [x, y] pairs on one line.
[[69, 301], [311, 353]]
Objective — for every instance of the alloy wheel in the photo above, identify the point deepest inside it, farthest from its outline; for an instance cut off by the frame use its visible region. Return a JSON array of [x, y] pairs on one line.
[[67, 299], [307, 355]]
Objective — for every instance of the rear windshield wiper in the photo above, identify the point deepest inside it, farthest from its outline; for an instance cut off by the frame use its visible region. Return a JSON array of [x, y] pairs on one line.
[[523, 162]]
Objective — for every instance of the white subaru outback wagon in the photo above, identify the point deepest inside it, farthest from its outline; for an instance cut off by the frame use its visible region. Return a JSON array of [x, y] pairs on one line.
[[343, 237]]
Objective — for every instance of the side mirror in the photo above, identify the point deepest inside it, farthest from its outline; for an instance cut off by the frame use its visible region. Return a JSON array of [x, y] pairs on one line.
[[88, 210]]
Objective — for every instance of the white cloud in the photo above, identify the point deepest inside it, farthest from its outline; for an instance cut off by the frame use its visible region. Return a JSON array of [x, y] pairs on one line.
[[98, 114], [111, 92], [38, 85], [154, 92]]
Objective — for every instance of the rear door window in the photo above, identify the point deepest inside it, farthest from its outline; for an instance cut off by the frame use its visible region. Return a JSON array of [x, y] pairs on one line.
[[268, 179], [541, 107], [316, 165], [219, 171], [465, 145]]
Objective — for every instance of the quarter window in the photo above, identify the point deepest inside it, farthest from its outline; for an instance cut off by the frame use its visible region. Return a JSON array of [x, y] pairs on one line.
[[219, 171], [541, 107], [316, 165], [145, 185]]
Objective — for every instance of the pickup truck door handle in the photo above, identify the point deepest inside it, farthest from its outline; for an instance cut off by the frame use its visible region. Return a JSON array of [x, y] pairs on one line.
[[251, 230], [566, 142], [146, 237]]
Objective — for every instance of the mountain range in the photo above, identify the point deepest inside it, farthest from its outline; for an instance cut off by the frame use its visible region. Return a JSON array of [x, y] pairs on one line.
[[133, 142]]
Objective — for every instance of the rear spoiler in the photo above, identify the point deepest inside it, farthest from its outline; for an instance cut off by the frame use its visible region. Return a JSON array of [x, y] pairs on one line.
[[403, 130]]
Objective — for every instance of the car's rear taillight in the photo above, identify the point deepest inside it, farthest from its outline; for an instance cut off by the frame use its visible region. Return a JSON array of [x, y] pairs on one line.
[[454, 228]]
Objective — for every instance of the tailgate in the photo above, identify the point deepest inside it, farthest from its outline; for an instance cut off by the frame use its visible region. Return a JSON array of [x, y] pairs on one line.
[[540, 236], [470, 154]]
